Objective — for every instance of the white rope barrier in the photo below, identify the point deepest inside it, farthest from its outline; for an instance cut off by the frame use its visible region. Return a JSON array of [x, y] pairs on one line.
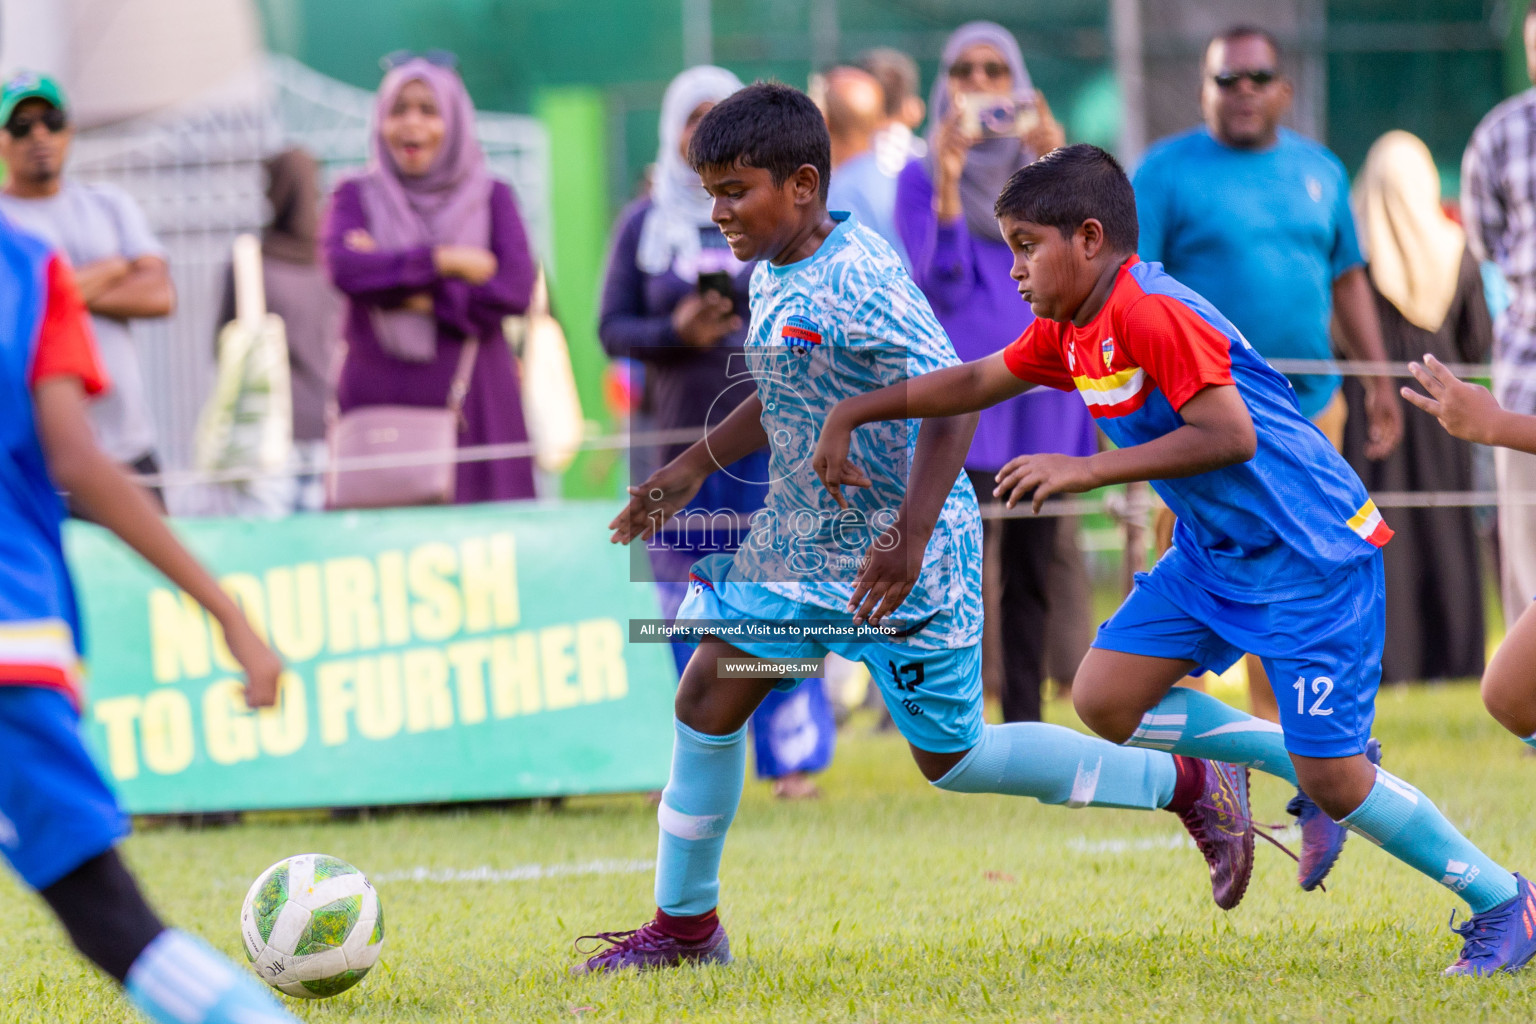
[[473, 453], [1117, 505], [1122, 510], [1365, 368], [1123, 507]]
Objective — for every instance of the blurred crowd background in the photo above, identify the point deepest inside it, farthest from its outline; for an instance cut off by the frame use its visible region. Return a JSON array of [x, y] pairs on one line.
[[581, 301], [179, 101]]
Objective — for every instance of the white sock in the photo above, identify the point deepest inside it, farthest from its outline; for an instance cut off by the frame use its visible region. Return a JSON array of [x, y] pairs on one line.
[[181, 980]]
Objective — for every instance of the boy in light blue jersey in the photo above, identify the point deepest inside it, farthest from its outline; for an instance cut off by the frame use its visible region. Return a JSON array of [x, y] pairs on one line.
[[834, 315], [1277, 549]]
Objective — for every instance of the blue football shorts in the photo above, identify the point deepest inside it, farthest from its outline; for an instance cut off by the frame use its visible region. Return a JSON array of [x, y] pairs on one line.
[[1322, 653], [934, 696], [56, 811]]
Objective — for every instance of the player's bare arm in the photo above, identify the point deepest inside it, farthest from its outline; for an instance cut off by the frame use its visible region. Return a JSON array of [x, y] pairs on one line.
[[1217, 432], [893, 562], [1468, 411], [105, 492], [143, 290], [668, 490], [96, 277], [953, 391]]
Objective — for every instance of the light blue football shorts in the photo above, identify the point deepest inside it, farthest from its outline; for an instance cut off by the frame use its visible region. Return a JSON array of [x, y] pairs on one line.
[[934, 696]]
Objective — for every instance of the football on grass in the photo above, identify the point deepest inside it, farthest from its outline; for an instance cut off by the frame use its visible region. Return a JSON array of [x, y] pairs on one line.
[[312, 926]]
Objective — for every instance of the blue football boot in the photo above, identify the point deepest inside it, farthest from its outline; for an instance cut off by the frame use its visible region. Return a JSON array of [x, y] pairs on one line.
[[1322, 838], [1501, 939]]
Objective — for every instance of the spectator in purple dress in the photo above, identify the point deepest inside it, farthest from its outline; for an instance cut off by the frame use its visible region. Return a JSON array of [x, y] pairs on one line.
[[431, 253], [960, 261]]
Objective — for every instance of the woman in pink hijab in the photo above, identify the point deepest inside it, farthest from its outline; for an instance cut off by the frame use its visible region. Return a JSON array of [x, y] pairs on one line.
[[430, 252]]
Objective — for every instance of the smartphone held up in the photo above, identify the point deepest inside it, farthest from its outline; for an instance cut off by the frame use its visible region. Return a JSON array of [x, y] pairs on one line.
[[985, 115], [719, 282]]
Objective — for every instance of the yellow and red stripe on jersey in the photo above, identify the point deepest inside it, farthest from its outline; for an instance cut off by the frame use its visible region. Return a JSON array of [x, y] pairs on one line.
[[39, 652], [1115, 394], [1369, 525]]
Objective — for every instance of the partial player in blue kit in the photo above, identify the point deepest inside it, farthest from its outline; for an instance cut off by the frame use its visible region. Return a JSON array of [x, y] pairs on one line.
[[1277, 548], [59, 823], [834, 315]]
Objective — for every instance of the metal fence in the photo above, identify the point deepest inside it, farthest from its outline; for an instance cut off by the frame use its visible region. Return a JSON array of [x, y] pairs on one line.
[[197, 174]]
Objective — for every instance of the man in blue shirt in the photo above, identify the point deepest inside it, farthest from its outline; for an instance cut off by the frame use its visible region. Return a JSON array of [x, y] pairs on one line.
[[854, 106], [1256, 218]]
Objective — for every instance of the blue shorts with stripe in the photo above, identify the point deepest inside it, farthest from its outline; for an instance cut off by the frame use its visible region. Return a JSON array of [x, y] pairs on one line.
[[934, 696], [56, 811], [1322, 652]]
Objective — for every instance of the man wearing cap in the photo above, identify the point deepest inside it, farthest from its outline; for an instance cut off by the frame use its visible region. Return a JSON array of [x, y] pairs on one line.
[[119, 265]]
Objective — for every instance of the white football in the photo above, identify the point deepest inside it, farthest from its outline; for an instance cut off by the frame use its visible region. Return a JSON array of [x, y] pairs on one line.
[[312, 926]]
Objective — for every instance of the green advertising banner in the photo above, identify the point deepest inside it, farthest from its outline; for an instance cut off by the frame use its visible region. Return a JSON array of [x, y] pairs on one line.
[[459, 653]]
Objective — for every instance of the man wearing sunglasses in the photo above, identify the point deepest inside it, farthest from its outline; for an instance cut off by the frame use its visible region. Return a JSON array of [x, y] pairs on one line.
[[119, 264], [1256, 218]]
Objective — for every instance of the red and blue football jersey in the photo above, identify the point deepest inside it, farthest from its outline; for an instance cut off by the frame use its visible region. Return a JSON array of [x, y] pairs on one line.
[[1274, 527], [44, 333]]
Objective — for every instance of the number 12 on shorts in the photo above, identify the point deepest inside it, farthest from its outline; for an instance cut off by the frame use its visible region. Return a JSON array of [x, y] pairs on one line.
[[1322, 686]]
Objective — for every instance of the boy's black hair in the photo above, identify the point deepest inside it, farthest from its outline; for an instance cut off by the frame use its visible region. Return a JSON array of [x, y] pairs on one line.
[[1233, 33], [767, 125], [1068, 186]]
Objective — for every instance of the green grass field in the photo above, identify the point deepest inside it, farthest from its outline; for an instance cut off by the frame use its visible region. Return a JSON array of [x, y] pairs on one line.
[[885, 901]]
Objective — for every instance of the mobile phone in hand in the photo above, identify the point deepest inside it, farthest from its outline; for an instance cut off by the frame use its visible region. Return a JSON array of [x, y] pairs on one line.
[[995, 115], [719, 282]]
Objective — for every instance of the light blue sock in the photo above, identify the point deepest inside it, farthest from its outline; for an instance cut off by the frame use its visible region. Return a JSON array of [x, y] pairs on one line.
[[1401, 820], [1059, 766], [696, 809], [181, 980], [1530, 741], [1196, 724]]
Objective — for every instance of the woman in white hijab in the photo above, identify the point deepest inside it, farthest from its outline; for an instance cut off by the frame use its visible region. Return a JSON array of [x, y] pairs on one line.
[[1429, 297], [675, 301], [654, 309]]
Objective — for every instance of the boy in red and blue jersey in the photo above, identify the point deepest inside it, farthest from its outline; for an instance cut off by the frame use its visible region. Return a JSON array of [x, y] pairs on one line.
[[59, 822], [1277, 548]]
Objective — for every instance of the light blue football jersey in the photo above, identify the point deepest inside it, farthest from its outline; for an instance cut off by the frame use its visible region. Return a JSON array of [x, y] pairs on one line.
[[849, 320]]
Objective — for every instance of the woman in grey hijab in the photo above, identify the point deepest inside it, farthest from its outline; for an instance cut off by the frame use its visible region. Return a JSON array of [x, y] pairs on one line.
[[959, 260], [982, 59]]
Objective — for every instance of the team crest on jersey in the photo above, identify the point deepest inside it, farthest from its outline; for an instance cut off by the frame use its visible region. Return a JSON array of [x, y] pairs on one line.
[[1107, 347], [800, 333]]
